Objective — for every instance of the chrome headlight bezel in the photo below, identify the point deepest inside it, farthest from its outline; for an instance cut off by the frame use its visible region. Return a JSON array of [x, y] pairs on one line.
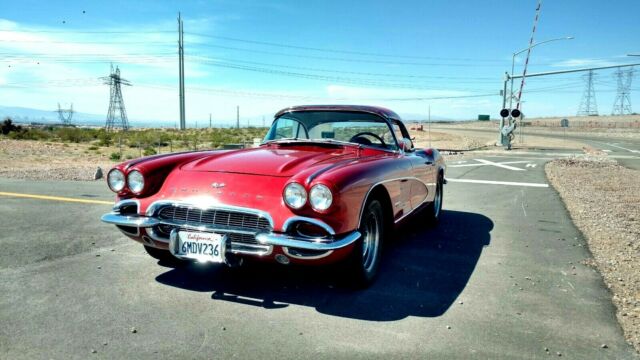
[[135, 181], [295, 195], [320, 197], [116, 180]]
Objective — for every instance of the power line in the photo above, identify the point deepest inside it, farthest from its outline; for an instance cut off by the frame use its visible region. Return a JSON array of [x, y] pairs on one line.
[[351, 52]]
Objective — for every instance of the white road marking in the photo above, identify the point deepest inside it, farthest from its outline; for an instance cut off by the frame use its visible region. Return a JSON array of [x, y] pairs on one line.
[[501, 165], [491, 182], [606, 150], [531, 165], [483, 164], [623, 148], [616, 146]]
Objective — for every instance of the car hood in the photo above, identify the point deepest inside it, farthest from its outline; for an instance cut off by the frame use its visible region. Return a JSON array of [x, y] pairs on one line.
[[268, 161]]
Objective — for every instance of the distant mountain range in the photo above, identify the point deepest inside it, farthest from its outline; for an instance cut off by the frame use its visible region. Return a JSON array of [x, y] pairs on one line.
[[28, 115]]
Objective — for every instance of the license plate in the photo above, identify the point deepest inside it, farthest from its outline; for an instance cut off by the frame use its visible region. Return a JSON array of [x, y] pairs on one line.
[[201, 246]]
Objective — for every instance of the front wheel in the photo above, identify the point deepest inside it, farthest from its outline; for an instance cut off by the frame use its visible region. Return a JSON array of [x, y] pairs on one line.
[[364, 261], [435, 207]]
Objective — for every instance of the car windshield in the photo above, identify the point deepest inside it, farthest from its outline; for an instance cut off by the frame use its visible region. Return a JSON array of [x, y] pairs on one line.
[[333, 126]]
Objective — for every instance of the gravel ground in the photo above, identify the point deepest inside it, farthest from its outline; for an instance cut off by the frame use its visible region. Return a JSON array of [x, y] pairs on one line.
[[20, 159], [603, 199]]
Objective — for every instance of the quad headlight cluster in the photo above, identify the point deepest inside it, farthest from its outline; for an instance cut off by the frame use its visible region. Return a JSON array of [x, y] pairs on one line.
[[118, 181], [320, 196]]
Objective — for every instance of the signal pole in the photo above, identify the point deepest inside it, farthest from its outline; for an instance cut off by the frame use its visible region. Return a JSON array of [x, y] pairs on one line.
[[183, 124]]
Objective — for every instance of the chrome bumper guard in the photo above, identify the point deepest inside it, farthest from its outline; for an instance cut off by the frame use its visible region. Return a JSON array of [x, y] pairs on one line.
[[274, 239]]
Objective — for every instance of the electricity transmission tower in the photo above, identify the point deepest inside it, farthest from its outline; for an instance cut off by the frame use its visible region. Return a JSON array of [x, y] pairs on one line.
[[588, 106], [117, 115], [622, 103], [65, 115]]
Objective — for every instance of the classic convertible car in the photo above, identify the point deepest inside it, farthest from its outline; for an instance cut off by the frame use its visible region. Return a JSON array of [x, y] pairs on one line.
[[327, 185]]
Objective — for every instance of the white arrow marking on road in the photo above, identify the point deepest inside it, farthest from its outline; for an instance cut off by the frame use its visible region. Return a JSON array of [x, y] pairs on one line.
[[511, 183], [499, 165], [482, 164]]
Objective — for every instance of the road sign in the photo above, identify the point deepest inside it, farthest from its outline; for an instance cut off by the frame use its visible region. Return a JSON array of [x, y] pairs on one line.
[[564, 123]]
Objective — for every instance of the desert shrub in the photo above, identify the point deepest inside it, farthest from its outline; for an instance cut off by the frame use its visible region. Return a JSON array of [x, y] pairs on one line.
[[149, 151], [75, 135], [104, 138], [93, 147], [8, 126], [115, 156]]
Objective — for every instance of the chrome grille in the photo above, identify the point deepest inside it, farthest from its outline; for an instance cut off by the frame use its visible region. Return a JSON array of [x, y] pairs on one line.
[[214, 218], [220, 221]]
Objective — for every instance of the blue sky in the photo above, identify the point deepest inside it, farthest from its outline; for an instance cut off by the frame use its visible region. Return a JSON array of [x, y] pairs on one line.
[[264, 55]]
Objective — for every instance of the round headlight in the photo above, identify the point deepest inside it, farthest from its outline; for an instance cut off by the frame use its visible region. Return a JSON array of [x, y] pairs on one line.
[[115, 179], [320, 197], [135, 181], [295, 195]]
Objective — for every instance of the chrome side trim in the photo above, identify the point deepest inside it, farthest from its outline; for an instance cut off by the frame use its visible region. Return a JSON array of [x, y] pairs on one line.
[[292, 220], [155, 206], [291, 253], [366, 197], [303, 243]]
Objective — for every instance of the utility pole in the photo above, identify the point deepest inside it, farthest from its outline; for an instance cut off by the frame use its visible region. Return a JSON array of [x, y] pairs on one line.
[[238, 117], [183, 124], [209, 120], [263, 121], [588, 105]]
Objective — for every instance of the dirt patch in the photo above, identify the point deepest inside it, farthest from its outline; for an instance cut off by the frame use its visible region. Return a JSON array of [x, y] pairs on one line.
[[603, 199], [446, 140], [34, 160]]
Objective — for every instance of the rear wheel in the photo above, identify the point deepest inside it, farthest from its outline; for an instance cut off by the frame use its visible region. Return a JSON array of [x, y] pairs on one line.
[[435, 208], [364, 261]]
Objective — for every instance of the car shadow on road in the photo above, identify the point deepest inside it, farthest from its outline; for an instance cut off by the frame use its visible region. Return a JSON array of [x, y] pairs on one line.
[[422, 274]]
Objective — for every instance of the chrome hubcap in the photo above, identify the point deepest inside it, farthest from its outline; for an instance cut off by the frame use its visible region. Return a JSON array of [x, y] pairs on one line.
[[370, 242]]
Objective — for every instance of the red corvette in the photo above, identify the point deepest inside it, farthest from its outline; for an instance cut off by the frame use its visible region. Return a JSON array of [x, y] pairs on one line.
[[327, 185]]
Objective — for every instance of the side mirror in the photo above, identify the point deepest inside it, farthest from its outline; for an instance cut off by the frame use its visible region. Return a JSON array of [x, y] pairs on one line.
[[405, 145]]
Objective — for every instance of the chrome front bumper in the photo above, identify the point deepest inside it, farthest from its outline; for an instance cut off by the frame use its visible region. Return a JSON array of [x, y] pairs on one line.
[[263, 238]]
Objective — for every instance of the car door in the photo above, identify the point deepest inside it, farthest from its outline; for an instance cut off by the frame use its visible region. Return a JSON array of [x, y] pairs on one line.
[[423, 173]]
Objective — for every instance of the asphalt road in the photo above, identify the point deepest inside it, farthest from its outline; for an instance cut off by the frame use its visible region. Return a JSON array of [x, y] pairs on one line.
[[500, 277], [624, 150]]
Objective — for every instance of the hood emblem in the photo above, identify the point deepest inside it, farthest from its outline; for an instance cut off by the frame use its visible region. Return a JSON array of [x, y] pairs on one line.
[[216, 185]]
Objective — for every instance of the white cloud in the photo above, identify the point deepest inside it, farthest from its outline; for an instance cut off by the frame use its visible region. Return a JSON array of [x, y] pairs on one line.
[[580, 63]]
